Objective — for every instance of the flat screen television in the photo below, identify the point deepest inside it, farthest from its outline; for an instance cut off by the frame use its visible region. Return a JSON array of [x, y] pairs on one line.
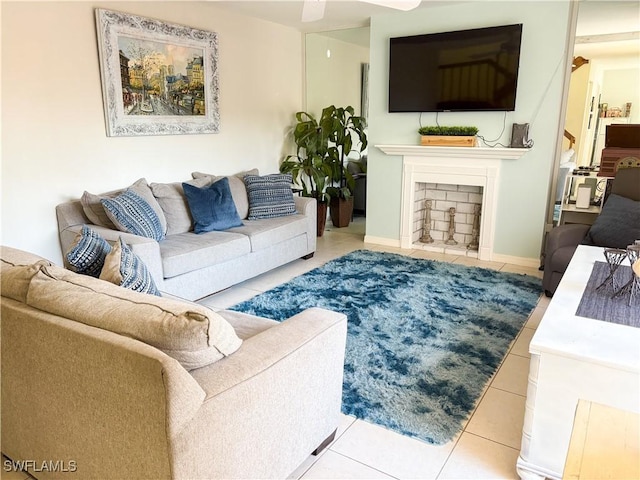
[[466, 70]]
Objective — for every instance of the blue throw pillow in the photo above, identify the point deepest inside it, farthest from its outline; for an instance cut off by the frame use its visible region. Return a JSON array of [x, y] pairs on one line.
[[88, 252], [212, 207], [618, 224], [270, 196], [131, 213]]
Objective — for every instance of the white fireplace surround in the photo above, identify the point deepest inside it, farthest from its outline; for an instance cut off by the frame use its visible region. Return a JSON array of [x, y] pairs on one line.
[[475, 166]]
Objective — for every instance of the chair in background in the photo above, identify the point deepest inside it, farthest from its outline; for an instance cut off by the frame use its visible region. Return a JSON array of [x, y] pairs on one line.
[[617, 226], [358, 169]]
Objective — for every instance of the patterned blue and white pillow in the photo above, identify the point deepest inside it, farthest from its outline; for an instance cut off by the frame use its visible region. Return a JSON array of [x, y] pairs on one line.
[[124, 268], [87, 254], [269, 196], [131, 213]]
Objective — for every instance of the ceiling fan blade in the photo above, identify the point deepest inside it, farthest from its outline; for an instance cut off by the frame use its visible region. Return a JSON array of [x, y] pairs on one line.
[[405, 5], [313, 10]]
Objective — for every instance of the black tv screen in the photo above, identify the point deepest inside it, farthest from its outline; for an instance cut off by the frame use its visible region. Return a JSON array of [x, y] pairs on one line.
[[467, 70]]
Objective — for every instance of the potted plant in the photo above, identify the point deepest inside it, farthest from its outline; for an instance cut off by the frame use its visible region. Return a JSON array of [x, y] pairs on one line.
[[448, 136], [308, 166], [344, 127]]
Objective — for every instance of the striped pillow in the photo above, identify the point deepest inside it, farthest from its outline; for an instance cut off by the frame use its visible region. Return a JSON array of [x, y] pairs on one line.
[[124, 268], [131, 213], [87, 254], [269, 196]]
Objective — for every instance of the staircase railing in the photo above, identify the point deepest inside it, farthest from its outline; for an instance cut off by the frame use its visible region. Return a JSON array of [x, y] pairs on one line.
[[571, 138]]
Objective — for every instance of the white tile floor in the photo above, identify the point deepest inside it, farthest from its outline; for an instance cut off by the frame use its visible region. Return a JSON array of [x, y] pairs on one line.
[[487, 447], [489, 444]]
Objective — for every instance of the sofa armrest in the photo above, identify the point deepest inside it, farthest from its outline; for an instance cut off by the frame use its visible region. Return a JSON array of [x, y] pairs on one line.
[[263, 350], [281, 391], [147, 249], [73, 391], [565, 236], [307, 206], [560, 245]]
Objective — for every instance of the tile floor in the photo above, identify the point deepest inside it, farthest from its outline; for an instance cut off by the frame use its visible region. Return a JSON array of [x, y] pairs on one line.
[[489, 444]]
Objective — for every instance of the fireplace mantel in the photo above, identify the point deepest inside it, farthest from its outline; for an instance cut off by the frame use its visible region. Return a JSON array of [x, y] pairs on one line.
[[497, 153], [473, 166]]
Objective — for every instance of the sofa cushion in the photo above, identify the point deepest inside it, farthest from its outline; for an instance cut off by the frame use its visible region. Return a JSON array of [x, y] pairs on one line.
[[14, 282], [171, 198], [187, 252], [94, 210], [87, 254], [237, 187], [14, 257], [269, 196], [195, 336], [265, 233], [617, 225], [212, 207], [245, 325], [131, 213], [124, 268], [15, 279]]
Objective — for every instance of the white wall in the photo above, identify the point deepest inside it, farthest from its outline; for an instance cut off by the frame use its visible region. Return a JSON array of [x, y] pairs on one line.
[[54, 144], [334, 80], [524, 183], [620, 86], [577, 102]]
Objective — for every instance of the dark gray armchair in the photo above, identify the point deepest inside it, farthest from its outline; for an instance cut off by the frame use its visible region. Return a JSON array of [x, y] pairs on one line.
[[358, 168], [617, 226]]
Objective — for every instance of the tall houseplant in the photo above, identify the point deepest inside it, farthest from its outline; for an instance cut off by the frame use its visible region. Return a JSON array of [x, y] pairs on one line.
[[308, 166], [344, 127]]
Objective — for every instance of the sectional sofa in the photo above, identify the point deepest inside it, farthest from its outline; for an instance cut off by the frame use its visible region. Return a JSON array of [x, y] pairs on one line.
[[99, 381], [190, 265]]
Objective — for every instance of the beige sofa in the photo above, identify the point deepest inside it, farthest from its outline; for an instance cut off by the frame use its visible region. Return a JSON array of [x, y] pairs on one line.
[[102, 382], [192, 266]]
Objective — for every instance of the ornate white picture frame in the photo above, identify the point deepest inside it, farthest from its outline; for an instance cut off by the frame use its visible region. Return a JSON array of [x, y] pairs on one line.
[[158, 78]]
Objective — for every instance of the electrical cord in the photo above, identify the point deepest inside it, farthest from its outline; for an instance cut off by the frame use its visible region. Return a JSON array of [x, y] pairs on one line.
[[494, 142]]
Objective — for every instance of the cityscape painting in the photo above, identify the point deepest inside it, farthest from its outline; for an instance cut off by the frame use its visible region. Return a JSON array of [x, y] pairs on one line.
[[161, 78], [157, 78]]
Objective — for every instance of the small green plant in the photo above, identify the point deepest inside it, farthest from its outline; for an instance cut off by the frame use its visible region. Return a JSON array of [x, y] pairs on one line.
[[448, 131]]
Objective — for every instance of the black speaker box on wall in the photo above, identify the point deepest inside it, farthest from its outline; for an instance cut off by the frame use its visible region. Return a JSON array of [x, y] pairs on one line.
[[520, 135]]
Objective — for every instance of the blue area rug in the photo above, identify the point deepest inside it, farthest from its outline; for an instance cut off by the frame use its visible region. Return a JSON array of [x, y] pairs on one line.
[[423, 336]]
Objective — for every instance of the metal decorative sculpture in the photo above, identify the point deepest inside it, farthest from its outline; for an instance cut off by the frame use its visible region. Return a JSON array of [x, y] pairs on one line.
[[615, 257], [632, 287], [452, 214], [475, 230], [426, 236]]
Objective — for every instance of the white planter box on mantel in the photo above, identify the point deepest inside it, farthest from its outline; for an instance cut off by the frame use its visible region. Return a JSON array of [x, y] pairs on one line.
[[475, 166]]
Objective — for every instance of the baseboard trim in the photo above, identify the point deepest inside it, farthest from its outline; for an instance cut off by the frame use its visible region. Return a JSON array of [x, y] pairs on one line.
[[387, 242], [522, 261], [495, 257]]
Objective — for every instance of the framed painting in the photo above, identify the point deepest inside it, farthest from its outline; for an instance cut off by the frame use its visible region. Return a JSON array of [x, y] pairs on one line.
[[158, 78]]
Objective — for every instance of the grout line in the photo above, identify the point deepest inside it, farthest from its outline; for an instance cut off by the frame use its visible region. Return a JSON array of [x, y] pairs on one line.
[[361, 463], [493, 441], [446, 460], [509, 391], [328, 447]]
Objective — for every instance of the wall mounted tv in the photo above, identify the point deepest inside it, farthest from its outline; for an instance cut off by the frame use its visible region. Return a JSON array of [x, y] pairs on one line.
[[467, 70]]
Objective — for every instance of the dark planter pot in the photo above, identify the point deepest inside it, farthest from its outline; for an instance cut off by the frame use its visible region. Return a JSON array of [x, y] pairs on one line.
[[322, 218], [341, 211]]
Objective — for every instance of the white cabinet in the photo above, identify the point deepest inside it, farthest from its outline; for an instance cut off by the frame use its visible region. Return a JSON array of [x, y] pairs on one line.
[[574, 358]]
